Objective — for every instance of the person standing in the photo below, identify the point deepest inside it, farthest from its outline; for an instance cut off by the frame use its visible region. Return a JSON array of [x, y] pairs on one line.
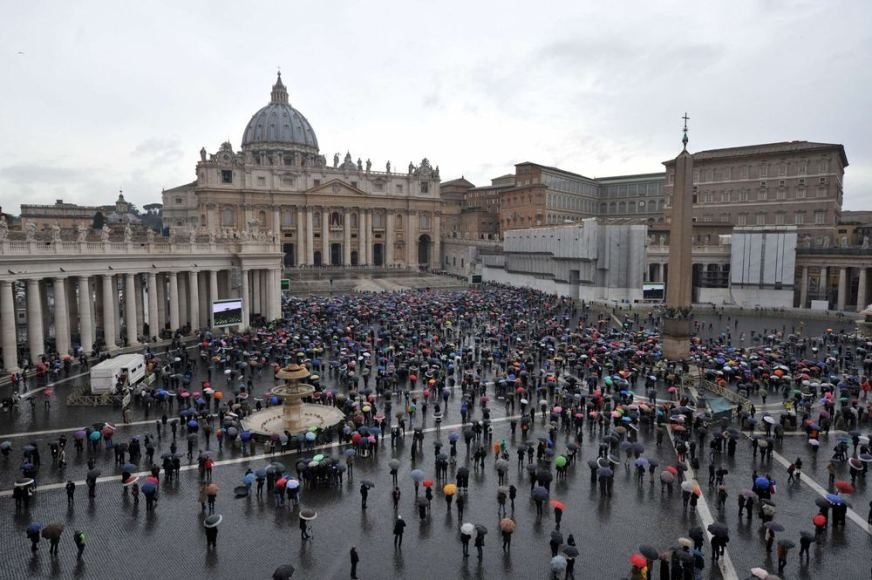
[[479, 544], [399, 527], [354, 560], [212, 537], [304, 530], [71, 492], [396, 497], [364, 493], [79, 539]]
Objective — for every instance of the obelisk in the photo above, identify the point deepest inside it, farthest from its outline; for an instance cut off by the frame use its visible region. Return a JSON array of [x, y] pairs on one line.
[[679, 290]]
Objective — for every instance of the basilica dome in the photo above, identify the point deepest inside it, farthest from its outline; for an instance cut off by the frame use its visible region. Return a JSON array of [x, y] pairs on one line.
[[279, 123]]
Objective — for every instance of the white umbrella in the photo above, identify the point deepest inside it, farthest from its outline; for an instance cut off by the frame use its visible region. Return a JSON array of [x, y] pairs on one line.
[[467, 528]]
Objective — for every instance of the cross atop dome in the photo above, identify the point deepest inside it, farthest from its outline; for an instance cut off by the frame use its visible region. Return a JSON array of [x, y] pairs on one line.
[[279, 91]]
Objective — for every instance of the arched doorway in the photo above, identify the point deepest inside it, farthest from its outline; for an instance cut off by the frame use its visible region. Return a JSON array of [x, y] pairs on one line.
[[290, 255], [378, 255], [316, 257], [424, 251], [335, 254]]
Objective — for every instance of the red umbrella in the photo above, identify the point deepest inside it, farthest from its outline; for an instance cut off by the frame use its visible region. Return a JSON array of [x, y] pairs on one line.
[[844, 486], [638, 560], [672, 469], [152, 479], [558, 505], [427, 483], [819, 520]]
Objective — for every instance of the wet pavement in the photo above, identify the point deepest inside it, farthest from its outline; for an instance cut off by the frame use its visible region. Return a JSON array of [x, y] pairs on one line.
[[256, 537]]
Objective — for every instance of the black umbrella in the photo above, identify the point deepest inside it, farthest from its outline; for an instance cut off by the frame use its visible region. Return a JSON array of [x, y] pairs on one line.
[[718, 529], [786, 544], [94, 474], [807, 536], [684, 556], [592, 463], [649, 552], [480, 529], [544, 475], [556, 537], [283, 572], [822, 502], [571, 551], [367, 483], [695, 533]]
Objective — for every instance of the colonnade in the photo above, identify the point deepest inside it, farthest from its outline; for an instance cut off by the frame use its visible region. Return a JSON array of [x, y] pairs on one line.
[[851, 287], [77, 312]]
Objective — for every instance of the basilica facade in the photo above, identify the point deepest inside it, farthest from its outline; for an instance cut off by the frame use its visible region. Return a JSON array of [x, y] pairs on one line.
[[344, 213]]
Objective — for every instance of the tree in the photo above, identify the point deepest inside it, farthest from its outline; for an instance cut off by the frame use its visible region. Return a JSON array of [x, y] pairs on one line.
[[99, 221]]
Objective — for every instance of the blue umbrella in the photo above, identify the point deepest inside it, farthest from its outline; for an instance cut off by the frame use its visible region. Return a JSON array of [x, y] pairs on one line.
[[193, 424], [186, 413], [310, 436], [260, 473], [128, 468], [148, 488], [94, 436], [34, 528], [835, 499], [245, 436], [417, 475], [761, 482], [248, 478], [540, 493], [349, 452]]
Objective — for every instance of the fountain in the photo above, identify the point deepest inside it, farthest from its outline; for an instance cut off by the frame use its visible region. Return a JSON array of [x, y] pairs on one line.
[[293, 415]]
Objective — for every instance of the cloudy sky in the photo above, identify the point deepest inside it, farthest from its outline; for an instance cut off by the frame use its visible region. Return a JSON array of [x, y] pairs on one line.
[[99, 96]]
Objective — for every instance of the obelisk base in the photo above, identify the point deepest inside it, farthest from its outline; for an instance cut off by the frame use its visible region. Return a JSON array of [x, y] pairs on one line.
[[676, 338]]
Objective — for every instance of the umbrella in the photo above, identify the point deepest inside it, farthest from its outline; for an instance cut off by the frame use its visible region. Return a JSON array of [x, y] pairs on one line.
[[786, 544], [558, 563], [719, 529], [23, 482], [507, 525], [558, 505], [571, 551], [760, 573], [844, 486], [367, 483], [394, 463], [449, 489], [53, 531], [480, 529], [540, 493], [94, 473], [467, 529], [427, 483], [213, 521], [638, 560], [775, 526], [666, 477], [128, 468], [807, 536], [649, 552], [292, 484], [308, 515], [212, 489], [283, 572], [130, 481], [417, 475], [34, 528], [686, 542]]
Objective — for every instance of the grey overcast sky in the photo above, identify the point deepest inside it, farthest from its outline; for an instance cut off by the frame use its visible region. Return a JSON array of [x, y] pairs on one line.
[[99, 96]]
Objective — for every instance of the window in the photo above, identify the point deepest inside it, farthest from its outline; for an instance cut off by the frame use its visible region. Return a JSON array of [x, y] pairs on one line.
[[289, 218], [779, 219], [825, 165], [354, 220], [228, 217], [803, 168], [399, 221], [178, 201], [316, 220], [261, 180], [226, 176], [764, 171], [378, 220], [399, 188], [316, 182], [799, 218], [820, 218], [782, 170], [335, 219], [354, 184], [424, 221], [380, 187], [289, 181], [761, 219], [425, 187], [203, 220], [742, 219]]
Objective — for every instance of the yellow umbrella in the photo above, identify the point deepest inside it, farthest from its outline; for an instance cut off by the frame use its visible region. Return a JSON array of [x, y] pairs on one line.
[[449, 489]]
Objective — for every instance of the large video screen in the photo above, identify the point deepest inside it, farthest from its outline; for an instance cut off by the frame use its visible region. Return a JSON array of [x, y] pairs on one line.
[[653, 291], [227, 312]]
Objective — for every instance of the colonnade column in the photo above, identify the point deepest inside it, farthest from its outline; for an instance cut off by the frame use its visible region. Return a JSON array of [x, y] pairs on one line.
[[174, 301], [62, 323], [436, 254], [803, 288], [843, 287], [389, 238], [35, 337], [310, 238], [161, 303], [861, 290], [256, 306], [203, 286], [246, 308], [325, 237], [154, 324], [346, 241], [85, 329], [411, 242], [109, 298], [130, 309], [7, 317], [194, 300], [213, 293], [369, 238], [140, 304]]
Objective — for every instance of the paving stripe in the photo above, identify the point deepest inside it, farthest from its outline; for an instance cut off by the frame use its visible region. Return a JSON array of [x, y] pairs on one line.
[[728, 570], [805, 478], [249, 458]]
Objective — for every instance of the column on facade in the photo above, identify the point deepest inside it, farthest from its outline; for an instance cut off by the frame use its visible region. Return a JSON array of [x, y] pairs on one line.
[[86, 331], [310, 238], [369, 237], [140, 306], [803, 287], [184, 313], [255, 291], [213, 293], [62, 322], [130, 309], [346, 240], [277, 222], [7, 323], [246, 307], [301, 241], [35, 337], [72, 306], [325, 236], [411, 241], [154, 320], [389, 238], [194, 300], [843, 288], [43, 297], [861, 290], [276, 299], [203, 286], [109, 310], [823, 284], [174, 301], [161, 303], [436, 254]]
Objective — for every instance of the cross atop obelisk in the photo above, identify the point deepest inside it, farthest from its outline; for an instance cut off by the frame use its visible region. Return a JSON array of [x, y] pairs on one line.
[[684, 137]]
